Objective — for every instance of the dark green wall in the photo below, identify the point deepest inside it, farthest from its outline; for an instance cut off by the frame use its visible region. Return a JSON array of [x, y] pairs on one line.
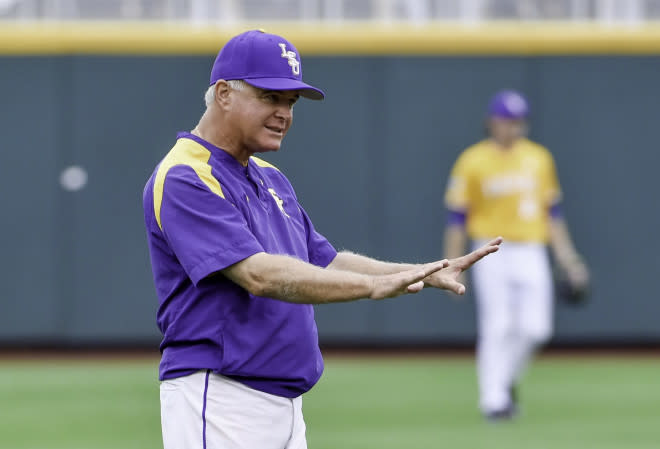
[[369, 164]]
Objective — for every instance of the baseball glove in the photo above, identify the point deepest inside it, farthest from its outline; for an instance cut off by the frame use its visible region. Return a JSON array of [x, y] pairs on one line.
[[567, 292]]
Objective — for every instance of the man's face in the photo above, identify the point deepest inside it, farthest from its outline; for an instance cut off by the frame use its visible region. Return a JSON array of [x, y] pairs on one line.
[[261, 118], [507, 130]]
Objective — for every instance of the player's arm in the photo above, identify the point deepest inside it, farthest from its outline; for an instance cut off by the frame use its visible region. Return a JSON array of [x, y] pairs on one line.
[[455, 237], [457, 200], [289, 279], [564, 251], [560, 242]]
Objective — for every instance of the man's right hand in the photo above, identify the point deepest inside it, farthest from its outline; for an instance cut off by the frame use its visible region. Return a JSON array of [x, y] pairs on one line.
[[409, 281]]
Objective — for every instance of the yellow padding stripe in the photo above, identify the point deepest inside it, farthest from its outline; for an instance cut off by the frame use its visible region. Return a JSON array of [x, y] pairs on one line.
[[262, 163], [322, 38], [190, 153]]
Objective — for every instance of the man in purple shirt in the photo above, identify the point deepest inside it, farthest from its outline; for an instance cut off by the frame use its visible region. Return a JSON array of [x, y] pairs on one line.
[[237, 263]]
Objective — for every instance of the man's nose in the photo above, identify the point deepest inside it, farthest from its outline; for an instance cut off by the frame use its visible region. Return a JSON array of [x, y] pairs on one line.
[[284, 111]]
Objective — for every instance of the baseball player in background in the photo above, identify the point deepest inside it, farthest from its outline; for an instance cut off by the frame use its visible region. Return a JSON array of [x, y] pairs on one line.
[[507, 185], [237, 263]]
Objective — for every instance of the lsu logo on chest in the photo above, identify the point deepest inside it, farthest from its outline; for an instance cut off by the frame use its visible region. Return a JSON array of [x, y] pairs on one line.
[[278, 201], [291, 57], [508, 184]]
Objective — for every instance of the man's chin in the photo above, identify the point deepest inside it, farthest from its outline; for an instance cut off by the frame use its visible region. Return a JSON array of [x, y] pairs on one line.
[[275, 146]]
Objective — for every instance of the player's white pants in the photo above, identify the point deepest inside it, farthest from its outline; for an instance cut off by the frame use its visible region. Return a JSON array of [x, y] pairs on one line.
[[209, 411], [514, 294]]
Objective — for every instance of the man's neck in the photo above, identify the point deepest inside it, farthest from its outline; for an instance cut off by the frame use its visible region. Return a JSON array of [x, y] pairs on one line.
[[504, 145], [206, 130]]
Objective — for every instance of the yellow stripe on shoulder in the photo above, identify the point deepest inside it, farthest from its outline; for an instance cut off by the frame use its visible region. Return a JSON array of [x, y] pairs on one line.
[[190, 153], [262, 163]]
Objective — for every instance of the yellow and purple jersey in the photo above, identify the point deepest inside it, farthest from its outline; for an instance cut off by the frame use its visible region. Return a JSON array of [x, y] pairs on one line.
[[508, 193]]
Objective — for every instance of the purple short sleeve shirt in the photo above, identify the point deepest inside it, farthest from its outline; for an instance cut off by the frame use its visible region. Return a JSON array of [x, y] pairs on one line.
[[204, 211]]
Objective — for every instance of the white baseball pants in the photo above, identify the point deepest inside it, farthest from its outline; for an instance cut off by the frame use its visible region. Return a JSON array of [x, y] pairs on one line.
[[208, 411], [514, 294]]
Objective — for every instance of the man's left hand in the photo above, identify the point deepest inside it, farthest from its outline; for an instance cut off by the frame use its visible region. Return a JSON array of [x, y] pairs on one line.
[[448, 278]]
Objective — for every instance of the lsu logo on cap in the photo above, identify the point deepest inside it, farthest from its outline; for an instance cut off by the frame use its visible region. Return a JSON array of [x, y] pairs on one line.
[[291, 56], [515, 103]]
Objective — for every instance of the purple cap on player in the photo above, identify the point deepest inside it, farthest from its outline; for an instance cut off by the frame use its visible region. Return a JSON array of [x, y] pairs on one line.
[[263, 60], [508, 104]]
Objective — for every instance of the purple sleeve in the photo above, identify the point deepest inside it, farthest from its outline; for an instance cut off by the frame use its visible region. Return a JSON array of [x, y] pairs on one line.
[[456, 218], [555, 211], [206, 232], [320, 251]]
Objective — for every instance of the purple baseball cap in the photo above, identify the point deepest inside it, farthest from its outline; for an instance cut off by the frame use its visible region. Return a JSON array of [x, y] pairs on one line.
[[263, 60], [508, 104]]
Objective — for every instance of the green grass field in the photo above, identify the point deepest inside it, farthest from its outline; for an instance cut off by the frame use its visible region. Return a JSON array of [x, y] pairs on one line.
[[399, 402]]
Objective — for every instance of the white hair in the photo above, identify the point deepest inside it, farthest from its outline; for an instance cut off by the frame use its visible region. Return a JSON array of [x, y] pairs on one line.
[[209, 96]]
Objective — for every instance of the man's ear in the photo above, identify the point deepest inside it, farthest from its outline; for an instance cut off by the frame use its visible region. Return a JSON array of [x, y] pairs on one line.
[[222, 93]]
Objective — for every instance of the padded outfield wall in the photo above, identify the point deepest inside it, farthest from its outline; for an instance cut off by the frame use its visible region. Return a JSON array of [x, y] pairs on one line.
[[369, 164]]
